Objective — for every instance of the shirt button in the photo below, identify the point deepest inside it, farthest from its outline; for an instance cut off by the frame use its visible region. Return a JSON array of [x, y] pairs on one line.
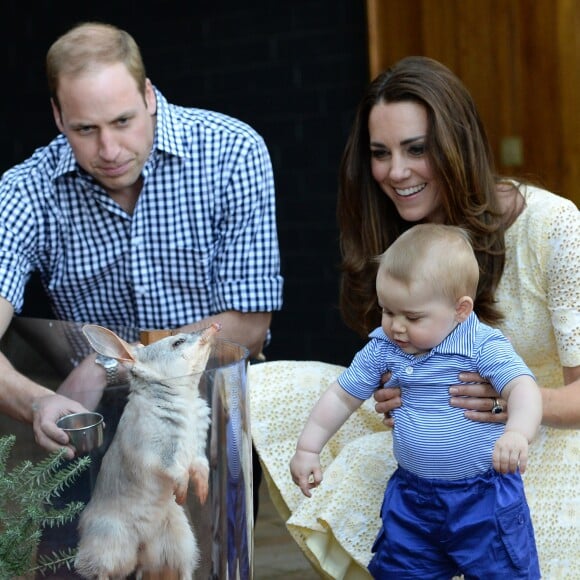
[[409, 370], [140, 290], [137, 240]]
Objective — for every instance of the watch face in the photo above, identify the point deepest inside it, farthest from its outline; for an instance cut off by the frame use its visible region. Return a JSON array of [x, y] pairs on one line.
[[106, 362], [111, 366]]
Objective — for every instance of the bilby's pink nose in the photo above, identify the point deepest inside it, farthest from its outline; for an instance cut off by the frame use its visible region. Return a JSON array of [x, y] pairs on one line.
[[210, 331]]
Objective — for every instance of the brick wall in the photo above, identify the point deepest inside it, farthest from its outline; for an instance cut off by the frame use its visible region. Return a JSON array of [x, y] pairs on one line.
[[293, 69]]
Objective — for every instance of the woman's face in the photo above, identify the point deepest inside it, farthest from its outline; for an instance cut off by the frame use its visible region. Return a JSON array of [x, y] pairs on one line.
[[400, 161]]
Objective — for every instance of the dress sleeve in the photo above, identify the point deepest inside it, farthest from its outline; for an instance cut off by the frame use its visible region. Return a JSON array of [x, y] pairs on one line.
[[562, 225]]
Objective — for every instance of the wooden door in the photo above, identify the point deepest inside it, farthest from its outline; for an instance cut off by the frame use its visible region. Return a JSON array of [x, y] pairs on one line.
[[521, 61]]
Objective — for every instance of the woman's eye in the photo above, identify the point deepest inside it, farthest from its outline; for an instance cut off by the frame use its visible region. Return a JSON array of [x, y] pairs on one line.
[[417, 150], [379, 153]]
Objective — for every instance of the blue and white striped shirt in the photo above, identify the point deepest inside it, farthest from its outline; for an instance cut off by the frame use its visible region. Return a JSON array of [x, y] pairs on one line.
[[202, 238], [432, 439]]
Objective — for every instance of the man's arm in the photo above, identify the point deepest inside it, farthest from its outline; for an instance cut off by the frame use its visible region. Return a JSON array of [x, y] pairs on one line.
[[247, 280], [248, 329], [86, 381], [27, 401], [17, 393]]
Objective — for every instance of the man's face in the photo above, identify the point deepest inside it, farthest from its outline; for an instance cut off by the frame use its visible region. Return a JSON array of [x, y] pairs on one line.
[[109, 124]]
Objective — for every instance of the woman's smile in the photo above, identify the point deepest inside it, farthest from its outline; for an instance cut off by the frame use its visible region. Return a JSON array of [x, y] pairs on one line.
[[410, 190]]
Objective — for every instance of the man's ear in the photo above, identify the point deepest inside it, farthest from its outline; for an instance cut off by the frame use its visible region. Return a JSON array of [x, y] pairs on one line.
[[57, 116], [150, 98], [463, 308]]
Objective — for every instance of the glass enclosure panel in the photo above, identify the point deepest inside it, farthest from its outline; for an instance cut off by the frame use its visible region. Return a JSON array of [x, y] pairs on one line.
[[46, 351]]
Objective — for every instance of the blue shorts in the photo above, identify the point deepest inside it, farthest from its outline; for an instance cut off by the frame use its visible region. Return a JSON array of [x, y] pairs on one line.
[[435, 529]]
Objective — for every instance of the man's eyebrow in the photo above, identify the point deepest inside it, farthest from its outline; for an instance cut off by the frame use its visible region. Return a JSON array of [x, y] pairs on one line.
[[81, 125], [124, 115]]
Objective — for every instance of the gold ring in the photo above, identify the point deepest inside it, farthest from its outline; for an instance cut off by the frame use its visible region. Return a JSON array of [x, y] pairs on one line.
[[497, 407]]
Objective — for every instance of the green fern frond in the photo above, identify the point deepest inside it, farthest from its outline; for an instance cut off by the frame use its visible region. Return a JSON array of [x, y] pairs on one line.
[[48, 478], [25, 494], [6, 444], [55, 561], [61, 516]]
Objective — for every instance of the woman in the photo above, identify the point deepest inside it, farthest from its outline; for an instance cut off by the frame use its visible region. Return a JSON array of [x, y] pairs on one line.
[[418, 152]]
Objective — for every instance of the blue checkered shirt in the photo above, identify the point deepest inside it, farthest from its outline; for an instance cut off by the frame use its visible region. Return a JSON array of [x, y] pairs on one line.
[[202, 238]]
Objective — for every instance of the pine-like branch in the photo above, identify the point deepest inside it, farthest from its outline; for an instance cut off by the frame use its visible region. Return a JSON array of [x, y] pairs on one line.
[[25, 494], [55, 561]]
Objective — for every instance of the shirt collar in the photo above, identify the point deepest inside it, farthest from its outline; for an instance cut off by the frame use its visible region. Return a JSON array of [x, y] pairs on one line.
[[167, 130], [66, 161], [460, 341]]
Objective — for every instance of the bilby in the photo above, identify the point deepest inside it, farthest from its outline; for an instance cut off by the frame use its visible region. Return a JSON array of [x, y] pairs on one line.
[[134, 520]]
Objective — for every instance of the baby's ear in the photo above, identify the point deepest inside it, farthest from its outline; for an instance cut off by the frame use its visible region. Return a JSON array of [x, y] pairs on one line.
[[463, 308]]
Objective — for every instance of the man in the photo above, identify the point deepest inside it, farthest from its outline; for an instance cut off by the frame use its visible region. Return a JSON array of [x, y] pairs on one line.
[[140, 213]]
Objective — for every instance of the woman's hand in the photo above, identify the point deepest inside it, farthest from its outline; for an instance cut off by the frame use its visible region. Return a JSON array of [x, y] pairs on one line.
[[480, 401], [387, 400]]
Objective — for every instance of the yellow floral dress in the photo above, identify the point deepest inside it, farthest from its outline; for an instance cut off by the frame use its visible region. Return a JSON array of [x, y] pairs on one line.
[[540, 295]]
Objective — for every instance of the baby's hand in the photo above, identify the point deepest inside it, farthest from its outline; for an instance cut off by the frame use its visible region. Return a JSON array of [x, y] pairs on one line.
[[511, 452], [306, 471]]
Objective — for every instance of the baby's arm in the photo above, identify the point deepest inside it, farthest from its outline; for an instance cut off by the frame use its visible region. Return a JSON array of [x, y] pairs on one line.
[[330, 412], [525, 404]]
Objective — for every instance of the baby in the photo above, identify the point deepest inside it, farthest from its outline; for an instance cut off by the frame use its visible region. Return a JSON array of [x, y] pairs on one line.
[[456, 503]]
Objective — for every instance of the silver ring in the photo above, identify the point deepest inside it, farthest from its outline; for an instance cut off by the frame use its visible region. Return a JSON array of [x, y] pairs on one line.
[[497, 407]]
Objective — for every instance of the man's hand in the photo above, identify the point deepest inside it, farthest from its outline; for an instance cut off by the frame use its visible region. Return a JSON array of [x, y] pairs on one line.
[[80, 391], [477, 399], [306, 471], [46, 411], [510, 452]]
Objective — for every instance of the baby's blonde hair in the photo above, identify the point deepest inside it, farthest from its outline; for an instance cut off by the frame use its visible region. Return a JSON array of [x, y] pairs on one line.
[[434, 254]]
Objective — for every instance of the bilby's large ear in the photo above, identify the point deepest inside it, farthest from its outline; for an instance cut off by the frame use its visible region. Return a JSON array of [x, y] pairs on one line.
[[107, 343], [463, 308]]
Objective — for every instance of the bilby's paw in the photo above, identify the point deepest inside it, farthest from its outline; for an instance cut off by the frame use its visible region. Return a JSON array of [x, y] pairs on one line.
[[180, 492], [200, 479]]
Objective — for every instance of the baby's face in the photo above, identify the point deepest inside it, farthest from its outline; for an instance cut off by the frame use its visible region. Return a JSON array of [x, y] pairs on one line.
[[414, 317]]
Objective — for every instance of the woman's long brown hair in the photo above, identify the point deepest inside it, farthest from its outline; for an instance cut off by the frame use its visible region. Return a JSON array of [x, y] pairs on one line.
[[460, 157]]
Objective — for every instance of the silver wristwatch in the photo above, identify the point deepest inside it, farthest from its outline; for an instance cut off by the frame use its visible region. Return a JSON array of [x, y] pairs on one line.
[[111, 367]]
